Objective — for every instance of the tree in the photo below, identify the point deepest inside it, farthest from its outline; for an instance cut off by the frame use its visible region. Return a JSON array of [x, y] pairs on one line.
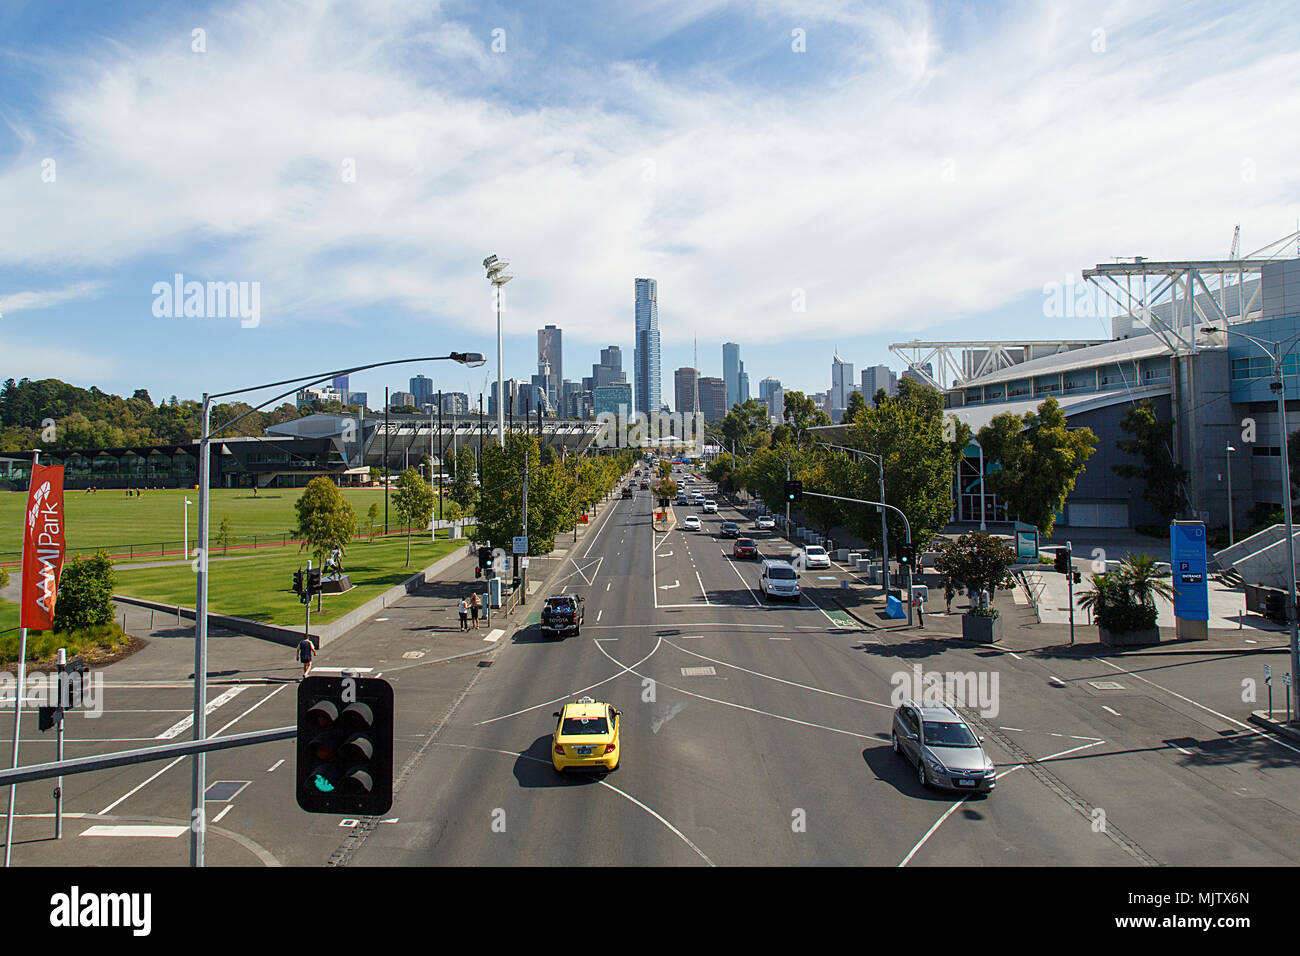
[[665, 488], [85, 597], [746, 426], [372, 515], [4, 577], [500, 507], [802, 413], [414, 500], [326, 522], [224, 536], [908, 432], [1124, 600], [980, 561], [1164, 481], [462, 487], [856, 404], [1038, 460]]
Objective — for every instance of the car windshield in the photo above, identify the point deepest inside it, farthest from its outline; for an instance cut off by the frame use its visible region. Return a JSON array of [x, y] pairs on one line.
[[584, 727], [745, 542], [559, 604], [947, 733], [815, 552], [780, 572]]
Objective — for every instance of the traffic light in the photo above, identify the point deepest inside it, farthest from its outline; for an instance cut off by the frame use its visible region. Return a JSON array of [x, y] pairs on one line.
[[297, 585], [345, 745], [907, 555], [794, 491], [313, 581], [1062, 561]]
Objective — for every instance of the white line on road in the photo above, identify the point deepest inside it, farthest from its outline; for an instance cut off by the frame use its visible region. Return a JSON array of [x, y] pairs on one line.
[[271, 769], [127, 830], [598, 614], [702, 591], [494, 635], [186, 722], [1111, 710], [217, 818]]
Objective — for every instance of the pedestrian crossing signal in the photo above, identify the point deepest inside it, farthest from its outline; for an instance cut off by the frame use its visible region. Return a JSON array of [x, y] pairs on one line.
[[345, 745], [794, 491]]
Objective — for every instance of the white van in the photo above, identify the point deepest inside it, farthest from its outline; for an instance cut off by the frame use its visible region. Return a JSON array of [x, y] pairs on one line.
[[778, 579]]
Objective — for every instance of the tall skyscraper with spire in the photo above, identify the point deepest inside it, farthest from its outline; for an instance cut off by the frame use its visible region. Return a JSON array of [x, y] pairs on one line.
[[645, 358]]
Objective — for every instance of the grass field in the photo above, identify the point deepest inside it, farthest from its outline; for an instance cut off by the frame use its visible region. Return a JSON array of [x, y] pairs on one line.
[[8, 614], [155, 520], [260, 587]]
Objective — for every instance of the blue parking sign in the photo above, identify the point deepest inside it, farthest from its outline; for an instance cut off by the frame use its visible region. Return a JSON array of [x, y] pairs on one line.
[[1188, 554]]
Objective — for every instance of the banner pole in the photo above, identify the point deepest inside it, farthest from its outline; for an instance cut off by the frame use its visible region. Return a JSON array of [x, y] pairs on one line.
[[18, 693]]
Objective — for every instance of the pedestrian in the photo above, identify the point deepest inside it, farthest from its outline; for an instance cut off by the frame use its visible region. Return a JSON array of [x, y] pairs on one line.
[[306, 654], [949, 592], [464, 615], [473, 609], [920, 610]]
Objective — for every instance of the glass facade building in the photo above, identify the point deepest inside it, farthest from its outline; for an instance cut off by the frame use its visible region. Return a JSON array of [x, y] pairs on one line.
[[646, 356]]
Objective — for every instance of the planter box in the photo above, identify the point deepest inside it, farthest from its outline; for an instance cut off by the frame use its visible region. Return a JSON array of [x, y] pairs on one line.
[[983, 630], [1129, 638]]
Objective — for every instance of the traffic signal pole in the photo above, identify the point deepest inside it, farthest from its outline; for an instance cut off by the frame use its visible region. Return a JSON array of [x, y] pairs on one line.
[[907, 530]]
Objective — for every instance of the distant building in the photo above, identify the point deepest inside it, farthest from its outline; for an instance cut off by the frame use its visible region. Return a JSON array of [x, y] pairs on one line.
[[646, 354], [423, 390], [684, 382], [401, 400], [455, 403], [330, 393], [771, 394], [550, 361], [713, 399], [911, 372], [731, 366], [512, 393], [841, 386], [876, 377], [615, 399]]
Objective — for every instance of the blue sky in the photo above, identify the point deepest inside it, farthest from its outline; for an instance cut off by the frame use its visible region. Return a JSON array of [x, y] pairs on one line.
[[910, 169]]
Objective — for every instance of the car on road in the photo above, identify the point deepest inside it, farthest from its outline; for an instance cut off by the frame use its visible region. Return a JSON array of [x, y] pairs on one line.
[[765, 523], [778, 579], [691, 523], [563, 613], [710, 507], [586, 736], [627, 491], [943, 748], [744, 548], [645, 485], [681, 498], [815, 558], [729, 529]]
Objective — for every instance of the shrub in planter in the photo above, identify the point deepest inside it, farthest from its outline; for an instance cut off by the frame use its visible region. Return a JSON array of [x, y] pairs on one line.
[[979, 561], [1123, 601]]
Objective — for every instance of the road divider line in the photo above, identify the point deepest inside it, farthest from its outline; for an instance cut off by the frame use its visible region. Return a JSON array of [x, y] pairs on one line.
[[186, 722]]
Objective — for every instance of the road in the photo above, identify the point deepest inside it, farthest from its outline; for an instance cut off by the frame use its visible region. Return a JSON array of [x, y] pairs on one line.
[[758, 734]]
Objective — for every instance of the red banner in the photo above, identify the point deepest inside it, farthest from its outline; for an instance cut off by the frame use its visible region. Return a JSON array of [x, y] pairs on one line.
[[42, 547]]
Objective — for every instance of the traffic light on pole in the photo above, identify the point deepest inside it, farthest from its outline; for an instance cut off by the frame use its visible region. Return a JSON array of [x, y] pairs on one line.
[[345, 745], [313, 581], [297, 583], [1062, 561], [794, 491], [907, 555]]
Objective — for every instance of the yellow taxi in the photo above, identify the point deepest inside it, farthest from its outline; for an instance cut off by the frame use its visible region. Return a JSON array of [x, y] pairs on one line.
[[586, 736]]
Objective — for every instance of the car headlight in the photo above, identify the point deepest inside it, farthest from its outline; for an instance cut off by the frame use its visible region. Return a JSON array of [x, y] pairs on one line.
[[990, 770], [935, 765]]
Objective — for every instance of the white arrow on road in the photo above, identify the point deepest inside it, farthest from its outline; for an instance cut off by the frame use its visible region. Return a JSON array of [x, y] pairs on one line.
[[669, 587], [666, 554]]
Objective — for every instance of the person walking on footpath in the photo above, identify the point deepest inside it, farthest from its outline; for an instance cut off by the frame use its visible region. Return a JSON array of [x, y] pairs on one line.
[[464, 615], [920, 610], [949, 592], [306, 654], [473, 609]]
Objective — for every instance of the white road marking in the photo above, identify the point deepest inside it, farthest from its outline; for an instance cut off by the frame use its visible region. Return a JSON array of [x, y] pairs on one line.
[[780, 638], [702, 591], [669, 587], [608, 585], [186, 722], [494, 635], [272, 768], [341, 670], [1111, 710], [133, 830], [1181, 750], [217, 818]]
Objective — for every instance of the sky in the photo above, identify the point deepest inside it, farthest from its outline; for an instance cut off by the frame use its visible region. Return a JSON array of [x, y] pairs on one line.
[[800, 177]]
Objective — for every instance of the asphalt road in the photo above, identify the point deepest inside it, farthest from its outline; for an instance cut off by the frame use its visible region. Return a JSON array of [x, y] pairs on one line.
[[757, 734], [752, 734]]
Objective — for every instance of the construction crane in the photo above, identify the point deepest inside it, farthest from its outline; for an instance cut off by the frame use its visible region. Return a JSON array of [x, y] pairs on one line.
[[1235, 251]]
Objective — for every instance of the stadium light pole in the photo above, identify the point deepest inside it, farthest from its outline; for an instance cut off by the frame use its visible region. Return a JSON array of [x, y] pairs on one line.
[[1278, 356], [497, 275], [207, 433]]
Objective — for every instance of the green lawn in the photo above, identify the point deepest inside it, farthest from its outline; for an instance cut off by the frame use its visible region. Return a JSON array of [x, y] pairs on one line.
[[155, 520], [261, 588], [8, 614]]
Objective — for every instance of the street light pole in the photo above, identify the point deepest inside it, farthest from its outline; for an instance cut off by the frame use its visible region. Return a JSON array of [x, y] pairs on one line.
[[497, 275], [1228, 452]]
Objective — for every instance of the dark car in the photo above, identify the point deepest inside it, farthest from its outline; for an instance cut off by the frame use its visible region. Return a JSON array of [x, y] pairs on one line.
[[563, 613], [730, 529], [627, 491], [645, 485], [744, 548]]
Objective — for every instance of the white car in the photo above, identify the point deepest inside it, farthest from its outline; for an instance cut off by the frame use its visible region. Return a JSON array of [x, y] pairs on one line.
[[815, 557], [778, 580], [691, 523], [710, 507], [765, 523]]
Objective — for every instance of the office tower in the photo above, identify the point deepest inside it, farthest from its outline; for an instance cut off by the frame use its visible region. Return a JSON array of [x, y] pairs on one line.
[[645, 358], [423, 390], [841, 385], [512, 386], [876, 377], [568, 405], [455, 403], [912, 373], [609, 371], [341, 383], [615, 399], [550, 360], [713, 398], [771, 394], [401, 400], [731, 372], [742, 394], [684, 381]]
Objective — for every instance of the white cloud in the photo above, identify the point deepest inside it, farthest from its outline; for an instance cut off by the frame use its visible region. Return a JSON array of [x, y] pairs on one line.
[[23, 301], [1059, 157]]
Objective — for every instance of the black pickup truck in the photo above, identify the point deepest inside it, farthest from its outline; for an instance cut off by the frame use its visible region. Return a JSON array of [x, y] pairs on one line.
[[563, 613]]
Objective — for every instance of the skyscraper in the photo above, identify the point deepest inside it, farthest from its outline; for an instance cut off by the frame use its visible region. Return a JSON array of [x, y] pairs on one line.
[[713, 399], [645, 358], [841, 386], [550, 361], [615, 399], [731, 366], [684, 381], [876, 377], [423, 390], [610, 370], [771, 394]]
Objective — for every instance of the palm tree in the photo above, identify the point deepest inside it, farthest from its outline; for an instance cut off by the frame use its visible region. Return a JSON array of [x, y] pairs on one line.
[[1099, 597], [1141, 581]]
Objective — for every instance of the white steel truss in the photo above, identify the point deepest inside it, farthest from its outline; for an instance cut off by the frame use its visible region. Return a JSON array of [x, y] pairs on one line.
[[957, 363]]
